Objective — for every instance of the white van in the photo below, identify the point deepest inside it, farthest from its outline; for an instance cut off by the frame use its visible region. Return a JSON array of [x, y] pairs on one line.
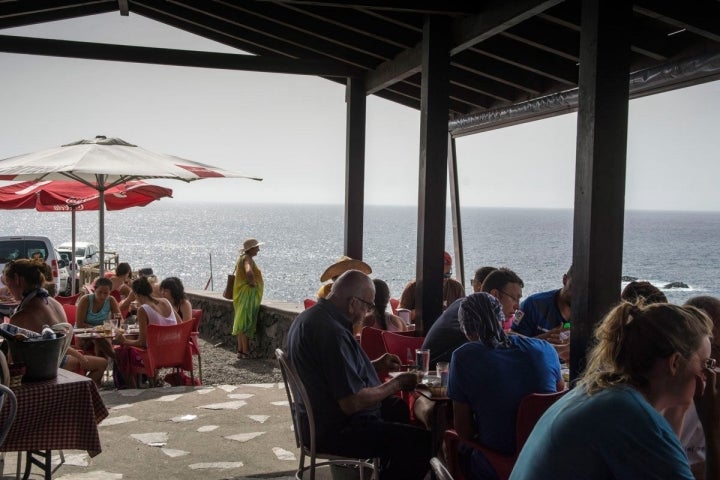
[[14, 248]]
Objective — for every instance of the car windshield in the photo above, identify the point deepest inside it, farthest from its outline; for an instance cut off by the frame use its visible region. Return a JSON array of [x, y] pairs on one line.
[[13, 250]]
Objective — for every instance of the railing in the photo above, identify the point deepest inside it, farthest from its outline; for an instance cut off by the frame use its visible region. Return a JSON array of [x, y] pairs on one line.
[[89, 272]]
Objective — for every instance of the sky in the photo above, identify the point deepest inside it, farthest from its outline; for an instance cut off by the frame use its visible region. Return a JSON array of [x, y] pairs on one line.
[[290, 130]]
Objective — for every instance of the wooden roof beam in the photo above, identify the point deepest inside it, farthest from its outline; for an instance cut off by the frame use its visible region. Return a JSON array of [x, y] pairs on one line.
[[167, 56], [17, 14], [701, 20], [466, 32], [430, 7]]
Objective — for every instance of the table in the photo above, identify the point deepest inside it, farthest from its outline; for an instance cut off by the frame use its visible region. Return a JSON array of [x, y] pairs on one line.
[[58, 414]]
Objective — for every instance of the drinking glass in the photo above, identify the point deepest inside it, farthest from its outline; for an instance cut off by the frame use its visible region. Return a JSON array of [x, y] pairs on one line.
[[442, 369], [422, 360], [114, 322]]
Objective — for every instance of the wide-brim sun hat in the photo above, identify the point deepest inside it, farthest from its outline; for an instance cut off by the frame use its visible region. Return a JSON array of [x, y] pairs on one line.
[[250, 243], [342, 265]]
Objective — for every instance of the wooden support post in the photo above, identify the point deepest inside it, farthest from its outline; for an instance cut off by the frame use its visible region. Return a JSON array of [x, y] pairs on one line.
[[455, 210], [354, 168], [434, 92], [600, 168]]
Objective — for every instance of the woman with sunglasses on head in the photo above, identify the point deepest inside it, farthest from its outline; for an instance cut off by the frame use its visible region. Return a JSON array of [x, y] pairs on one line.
[[646, 359]]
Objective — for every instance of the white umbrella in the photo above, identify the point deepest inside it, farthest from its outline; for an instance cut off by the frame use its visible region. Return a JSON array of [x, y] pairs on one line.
[[103, 163]]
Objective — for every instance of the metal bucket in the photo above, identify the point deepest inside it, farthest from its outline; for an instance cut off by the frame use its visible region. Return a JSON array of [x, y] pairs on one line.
[[39, 356]]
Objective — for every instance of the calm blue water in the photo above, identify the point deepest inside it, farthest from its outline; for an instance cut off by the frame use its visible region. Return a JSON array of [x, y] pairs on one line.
[[177, 238]]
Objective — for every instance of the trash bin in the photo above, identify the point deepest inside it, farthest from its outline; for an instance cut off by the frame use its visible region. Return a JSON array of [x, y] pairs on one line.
[[40, 356]]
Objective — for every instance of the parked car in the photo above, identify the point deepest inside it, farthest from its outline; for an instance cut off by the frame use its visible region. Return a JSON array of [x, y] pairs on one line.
[[84, 252], [14, 248], [63, 275]]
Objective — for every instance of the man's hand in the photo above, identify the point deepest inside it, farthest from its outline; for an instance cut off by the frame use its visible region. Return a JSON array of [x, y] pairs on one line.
[[407, 380], [387, 362]]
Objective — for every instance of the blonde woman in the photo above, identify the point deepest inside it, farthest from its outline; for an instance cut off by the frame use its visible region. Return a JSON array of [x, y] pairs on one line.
[[247, 295], [647, 359]]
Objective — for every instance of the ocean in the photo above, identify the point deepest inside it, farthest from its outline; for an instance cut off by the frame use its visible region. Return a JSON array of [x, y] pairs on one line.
[[194, 241]]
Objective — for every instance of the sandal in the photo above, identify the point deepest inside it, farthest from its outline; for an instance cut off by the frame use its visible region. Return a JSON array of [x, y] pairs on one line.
[[242, 355]]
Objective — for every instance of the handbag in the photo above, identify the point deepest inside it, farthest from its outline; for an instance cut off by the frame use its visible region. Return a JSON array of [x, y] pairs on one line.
[[228, 292]]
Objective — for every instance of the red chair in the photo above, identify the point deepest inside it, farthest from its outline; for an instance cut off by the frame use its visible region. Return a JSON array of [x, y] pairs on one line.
[[371, 342], [71, 300], [70, 312], [194, 343], [309, 302], [402, 345], [531, 408], [168, 346], [394, 304]]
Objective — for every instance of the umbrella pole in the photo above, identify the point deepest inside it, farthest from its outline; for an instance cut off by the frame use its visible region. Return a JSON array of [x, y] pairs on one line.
[[73, 265], [101, 210]]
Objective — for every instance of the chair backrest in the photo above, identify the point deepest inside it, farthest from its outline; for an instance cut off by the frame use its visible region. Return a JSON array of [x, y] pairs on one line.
[[309, 302], [168, 346], [71, 300], [67, 329], [196, 317], [70, 313], [295, 391], [531, 408], [394, 304], [439, 469], [371, 342], [400, 345], [4, 368], [9, 395]]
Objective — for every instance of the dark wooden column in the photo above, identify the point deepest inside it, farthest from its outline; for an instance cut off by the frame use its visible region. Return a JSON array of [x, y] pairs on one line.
[[600, 168], [433, 170], [455, 211], [354, 167]]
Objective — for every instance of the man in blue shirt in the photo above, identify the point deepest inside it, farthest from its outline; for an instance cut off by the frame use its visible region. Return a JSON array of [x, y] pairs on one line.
[[357, 416], [546, 313]]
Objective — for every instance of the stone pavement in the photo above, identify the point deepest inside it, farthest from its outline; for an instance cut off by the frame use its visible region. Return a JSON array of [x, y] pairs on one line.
[[212, 432]]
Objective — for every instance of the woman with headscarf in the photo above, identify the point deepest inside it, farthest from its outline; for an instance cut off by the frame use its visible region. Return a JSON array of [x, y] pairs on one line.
[[489, 376]]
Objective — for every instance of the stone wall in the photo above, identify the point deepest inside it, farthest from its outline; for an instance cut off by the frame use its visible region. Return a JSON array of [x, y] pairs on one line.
[[274, 322]]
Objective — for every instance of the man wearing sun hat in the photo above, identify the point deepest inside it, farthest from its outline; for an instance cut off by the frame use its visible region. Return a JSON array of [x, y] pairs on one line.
[[342, 265], [452, 289]]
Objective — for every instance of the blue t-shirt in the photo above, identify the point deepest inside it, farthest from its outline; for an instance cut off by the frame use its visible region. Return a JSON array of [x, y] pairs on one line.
[[493, 381], [540, 314], [331, 364], [445, 335], [612, 434]]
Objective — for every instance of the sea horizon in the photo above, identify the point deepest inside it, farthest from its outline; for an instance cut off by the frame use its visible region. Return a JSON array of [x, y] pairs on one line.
[[193, 242]]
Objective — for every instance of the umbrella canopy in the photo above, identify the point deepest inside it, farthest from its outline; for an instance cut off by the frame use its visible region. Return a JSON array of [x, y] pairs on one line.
[[67, 195], [102, 163]]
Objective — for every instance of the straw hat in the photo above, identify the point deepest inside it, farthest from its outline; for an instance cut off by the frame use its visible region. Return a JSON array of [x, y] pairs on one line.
[[342, 265], [251, 243]]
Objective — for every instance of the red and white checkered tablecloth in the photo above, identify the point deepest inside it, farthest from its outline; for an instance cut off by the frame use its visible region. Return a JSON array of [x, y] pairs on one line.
[[58, 414]]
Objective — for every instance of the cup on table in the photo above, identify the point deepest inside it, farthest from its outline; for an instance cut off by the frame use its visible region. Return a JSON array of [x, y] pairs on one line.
[[115, 321], [404, 313], [107, 328], [442, 369], [422, 360]]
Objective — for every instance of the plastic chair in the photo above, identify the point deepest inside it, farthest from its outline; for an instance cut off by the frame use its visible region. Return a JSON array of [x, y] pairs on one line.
[[71, 300], [371, 342], [194, 343], [439, 469], [309, 302], [400, 345], [168, 346], [6, 393], [394, 304], [296, 392], [530, 410], [70, 313]]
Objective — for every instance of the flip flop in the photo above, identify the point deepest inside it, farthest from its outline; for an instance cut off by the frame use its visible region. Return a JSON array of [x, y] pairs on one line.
[[242, 355]]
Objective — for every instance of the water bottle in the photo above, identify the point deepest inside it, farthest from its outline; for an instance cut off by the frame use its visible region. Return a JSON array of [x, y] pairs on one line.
[[48, 333]]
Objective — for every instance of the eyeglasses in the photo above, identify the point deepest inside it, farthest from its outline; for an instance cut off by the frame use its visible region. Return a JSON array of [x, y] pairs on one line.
[[516, 299], [369, 305], [709, 363]]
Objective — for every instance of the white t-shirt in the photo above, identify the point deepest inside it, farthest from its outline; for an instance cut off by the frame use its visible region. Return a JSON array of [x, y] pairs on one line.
[[692, 436]]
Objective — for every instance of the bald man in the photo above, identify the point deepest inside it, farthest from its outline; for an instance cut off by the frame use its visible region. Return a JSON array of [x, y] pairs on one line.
[[359, 416]]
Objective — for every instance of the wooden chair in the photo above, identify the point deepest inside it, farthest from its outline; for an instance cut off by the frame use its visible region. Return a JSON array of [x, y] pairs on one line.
[[194, 343], [71, 300], [439, 469], [296, 392], [531, 408], [168, 346]]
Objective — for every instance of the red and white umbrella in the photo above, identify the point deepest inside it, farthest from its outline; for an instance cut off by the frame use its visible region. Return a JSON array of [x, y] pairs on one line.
[[67, 195], [102, 163]]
